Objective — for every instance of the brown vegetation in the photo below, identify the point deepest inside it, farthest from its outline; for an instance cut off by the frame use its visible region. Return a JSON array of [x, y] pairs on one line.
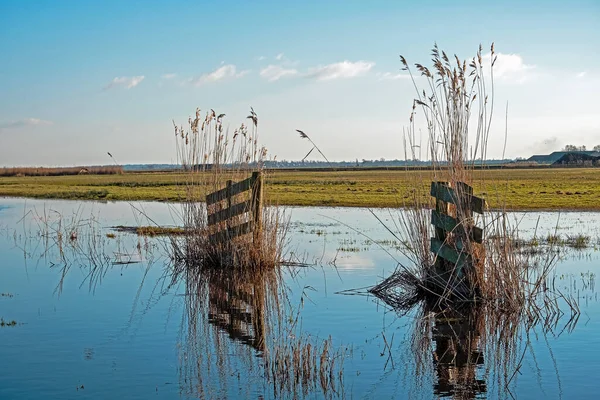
[[213, 160], [60, 171]]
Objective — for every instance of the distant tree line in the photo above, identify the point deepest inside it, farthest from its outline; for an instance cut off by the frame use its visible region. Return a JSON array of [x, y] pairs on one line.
[[571, 147]]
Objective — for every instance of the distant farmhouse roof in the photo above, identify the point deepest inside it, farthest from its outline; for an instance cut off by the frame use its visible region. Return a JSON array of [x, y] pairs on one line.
[[557, 155], [579, 158]]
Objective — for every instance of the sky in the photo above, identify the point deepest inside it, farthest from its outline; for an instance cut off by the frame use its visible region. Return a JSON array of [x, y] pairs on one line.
[[79, 79]]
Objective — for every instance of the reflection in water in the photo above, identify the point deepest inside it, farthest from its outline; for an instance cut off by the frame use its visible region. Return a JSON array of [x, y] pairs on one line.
[[469, 347], [220, 306], [457, 355], [239, 337], [236, 309]]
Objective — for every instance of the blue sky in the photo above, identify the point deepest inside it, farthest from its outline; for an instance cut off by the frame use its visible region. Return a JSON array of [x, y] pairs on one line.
[[80, 78]]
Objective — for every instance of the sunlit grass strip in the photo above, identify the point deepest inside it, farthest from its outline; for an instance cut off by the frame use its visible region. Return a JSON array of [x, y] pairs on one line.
[[523, 189]]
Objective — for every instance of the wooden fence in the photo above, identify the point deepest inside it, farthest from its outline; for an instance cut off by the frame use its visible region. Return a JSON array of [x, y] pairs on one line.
[[228, 219], [454, 230]]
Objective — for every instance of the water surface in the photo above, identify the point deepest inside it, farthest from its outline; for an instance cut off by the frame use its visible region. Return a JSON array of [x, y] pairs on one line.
[[121, 330]]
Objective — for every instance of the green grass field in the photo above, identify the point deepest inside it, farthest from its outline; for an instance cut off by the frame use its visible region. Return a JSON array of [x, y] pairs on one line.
[[516, 189]]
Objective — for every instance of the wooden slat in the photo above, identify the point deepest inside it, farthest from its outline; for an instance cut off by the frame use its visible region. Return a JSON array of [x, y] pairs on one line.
[[231, 233], [442, 191], [450, 224], [236, 188], [230, 212], [448, 253]]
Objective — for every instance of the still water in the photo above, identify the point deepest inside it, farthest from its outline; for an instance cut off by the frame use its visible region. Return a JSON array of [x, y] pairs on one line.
[[100, 317]]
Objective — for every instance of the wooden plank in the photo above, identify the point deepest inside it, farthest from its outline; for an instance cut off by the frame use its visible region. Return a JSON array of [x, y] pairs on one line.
[[465, 190], [448, 253], [449, 224], [257, 200], [226, 213], [231, 233], [236, 188], [441, 191], [440, 234]]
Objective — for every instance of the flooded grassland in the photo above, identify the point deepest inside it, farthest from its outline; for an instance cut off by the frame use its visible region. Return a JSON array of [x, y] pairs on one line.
[[90, 311]]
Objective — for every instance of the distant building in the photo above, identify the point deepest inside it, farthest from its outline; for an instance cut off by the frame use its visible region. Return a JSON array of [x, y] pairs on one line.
[[554, 157], [579, 159]]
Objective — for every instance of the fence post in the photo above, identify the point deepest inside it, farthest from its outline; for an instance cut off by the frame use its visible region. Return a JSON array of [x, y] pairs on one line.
[[440, 234], [229, 196], [256, 203]]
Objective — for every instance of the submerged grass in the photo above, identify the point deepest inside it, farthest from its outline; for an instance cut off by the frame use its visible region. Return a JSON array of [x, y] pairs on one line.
[[4, 323], [150, 230]]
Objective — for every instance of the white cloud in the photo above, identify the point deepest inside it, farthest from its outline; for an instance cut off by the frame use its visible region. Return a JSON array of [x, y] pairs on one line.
[[169, 76], [385, 76], [581, 74], [344, 69], [260, 58], [225, 72], [24, 123], [275, 72], [510, 67], [127, 82], [279, 57]]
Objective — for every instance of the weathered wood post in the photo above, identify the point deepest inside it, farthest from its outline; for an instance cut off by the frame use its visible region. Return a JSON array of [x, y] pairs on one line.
[[440, 234], [256, 203], [229, 198]]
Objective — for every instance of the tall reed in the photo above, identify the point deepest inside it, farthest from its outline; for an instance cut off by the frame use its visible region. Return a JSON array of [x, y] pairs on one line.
[[211, 155], [456, 103]]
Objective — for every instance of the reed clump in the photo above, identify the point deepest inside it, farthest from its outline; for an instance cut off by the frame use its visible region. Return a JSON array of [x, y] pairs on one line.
[[457, 105], [213, 158]]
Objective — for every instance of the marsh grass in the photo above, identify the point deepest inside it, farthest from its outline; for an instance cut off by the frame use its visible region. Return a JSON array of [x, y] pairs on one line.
[[504, 293], [456, 92], [212, 156], [67, 242], [60, 171]]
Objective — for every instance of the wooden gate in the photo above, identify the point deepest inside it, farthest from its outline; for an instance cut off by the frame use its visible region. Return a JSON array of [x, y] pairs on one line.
[[229, 217], [451, 232]]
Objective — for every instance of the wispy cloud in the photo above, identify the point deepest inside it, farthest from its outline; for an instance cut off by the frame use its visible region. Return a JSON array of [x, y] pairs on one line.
[[273, 73], [510, 68], [260, 58], [388, 76], [24, 123], [279, 57], [169, 76], [224, 72], [340, 70], [127, 82], [581, 74]]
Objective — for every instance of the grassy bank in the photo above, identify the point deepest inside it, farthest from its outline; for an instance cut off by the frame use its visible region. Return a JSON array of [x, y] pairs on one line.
[[517, 189]]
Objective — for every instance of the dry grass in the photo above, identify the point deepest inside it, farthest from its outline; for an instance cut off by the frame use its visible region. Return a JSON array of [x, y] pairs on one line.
[[60, 171], [502, 292], [495, 271], [212, 158]]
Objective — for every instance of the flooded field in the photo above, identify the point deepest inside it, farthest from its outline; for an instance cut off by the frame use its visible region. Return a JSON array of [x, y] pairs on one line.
[[91, 312]]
